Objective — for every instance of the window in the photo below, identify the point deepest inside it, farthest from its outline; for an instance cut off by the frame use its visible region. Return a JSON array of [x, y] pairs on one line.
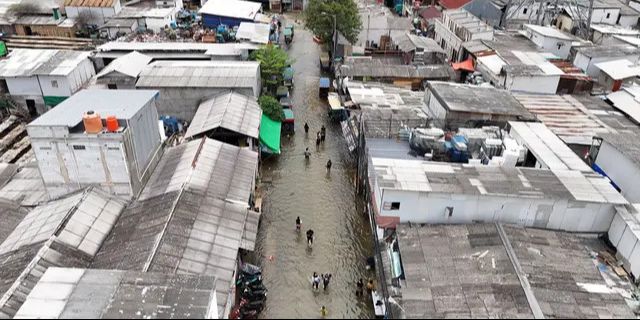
[[54, 83], [608, 15], [79, 147], [45, 148], [449, 211], [391, 206], [524, 11]]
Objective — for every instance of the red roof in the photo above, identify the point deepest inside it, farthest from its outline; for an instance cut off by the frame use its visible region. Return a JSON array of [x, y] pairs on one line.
[[430, 12], [453, 4]]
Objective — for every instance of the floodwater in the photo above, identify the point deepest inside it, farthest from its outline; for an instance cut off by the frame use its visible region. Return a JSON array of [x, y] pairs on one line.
[[325, 202]]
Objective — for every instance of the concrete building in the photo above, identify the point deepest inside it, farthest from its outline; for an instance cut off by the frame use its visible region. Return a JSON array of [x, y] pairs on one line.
[[457, 27], [115, 28], [502, 271], [119, 162], [94, 12], [123, 72], [614, 74], [67, 288], [62, 233], [40, 79], [183, 85], [455, 105], [617, 156], [624, 236], [432, 192], [603, 34], [587, 57], [379, 22], [196, 202], [229, 117], [229, 12], [157, 19], [549, 39], [420, 50]]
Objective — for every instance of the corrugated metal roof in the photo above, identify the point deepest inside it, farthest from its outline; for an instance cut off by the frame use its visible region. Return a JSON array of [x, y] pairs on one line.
[[27, 62], [609, 51], [200, 74], [565, 116], [26, 187], [171, 46], [130, 64], [412, 42], [63, 233], [627, 101], [108, 294], [80, 221], [192, 216], [548, 149], [379, 69], [453, 178], [89, 3], [482, 100], [232, 111], [557, 266], [254, 32], [123, 104], [11, 213], [231, 8], [46, 20]]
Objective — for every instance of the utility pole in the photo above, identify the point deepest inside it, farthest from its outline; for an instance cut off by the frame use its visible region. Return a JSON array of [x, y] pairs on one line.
[[588, 28], [538, 22], [503, 19]]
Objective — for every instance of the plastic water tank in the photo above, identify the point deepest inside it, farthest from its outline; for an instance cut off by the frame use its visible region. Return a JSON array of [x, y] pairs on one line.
[[112, 124], [92, 122]]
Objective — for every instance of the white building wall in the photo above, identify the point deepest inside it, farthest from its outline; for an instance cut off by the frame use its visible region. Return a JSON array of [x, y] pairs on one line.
[[624, 235], [422, 207], [434, 108], [588, 64], [24, 86], [628, 21], [605, 15], [621, 170], [560, 48], [533, 84], [58, 86]]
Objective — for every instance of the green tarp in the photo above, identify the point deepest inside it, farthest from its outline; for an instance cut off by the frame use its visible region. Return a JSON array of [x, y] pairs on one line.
[[53, 101], [3, 49], [270, 133]]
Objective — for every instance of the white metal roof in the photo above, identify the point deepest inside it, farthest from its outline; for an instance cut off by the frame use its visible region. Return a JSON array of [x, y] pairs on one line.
[[493, 62], [170, 46], [232, 8], [548, 32], [254, 32], [123, 104], [130, 64], [609, 29], [619, 69], [532, 58], [629, 39], [627, 100], [546, 146], [28, 62], [200, 74], [232, 111]]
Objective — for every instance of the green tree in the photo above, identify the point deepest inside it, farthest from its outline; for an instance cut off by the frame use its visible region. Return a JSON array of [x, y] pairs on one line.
[[271, 107], [319, 18], [273, 61]]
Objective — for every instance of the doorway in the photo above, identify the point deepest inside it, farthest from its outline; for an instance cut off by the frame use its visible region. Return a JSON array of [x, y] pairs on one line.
[[28, 31], [31, 106]]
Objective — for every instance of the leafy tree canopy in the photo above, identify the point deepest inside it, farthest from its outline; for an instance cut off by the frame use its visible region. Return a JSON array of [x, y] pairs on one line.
[[271, 107], [273, 61], [347, 18]]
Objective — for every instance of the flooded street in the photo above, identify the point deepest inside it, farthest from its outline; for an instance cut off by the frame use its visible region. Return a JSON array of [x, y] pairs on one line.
[[325, 202]]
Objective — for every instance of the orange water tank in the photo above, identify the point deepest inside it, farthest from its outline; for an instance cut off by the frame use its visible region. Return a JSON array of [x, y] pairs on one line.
[[92, 122], [112, 124]]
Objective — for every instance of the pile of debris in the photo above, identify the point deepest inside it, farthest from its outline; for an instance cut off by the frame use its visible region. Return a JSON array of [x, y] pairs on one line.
[[14, 142]]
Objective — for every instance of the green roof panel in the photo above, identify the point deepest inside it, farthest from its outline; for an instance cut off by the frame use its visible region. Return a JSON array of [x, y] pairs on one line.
[[270, 133]]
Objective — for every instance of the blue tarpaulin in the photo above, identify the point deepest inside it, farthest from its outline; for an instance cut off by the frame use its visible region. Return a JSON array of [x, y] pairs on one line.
[[325, 83]]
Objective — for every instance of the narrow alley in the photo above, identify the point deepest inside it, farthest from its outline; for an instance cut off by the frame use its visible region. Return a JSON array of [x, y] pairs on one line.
[[324, 201]]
